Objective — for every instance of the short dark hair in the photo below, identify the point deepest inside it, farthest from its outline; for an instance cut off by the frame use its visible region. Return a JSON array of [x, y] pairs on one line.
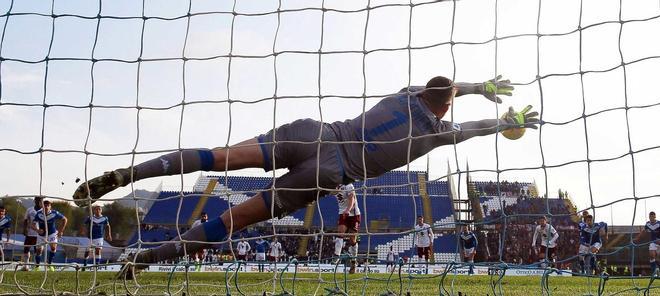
[[202, 213], [589, 217], [543, 217], [47, 202], [440, 89], [652, 213], [420, 216], [2, 207]]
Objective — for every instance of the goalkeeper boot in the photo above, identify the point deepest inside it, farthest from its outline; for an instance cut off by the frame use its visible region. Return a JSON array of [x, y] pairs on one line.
[[131, 268], [101, 185]]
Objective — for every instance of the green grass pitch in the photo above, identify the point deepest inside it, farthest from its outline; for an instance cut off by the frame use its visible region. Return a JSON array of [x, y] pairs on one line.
[[156, 283]]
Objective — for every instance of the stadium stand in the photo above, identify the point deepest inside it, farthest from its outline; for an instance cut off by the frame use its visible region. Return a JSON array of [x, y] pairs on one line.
[[388, 203]]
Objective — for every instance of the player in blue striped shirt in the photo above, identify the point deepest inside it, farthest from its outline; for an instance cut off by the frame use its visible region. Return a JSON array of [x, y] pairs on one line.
[[5, 226], [45, 222], [261, 247], [653, 228], [590, 242], [98, 224], [469, 242]]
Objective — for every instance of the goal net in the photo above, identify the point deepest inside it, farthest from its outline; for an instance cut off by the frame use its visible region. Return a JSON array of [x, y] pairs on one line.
[[92, 86]]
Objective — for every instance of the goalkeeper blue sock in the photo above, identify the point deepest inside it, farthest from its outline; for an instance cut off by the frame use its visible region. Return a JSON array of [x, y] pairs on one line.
[[171, 164], [211, 231], [37, 259]]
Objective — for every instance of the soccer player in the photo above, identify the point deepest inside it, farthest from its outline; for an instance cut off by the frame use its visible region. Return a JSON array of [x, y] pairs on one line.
[[276, 250], [45, 223], [5, 226], [261, 247], [242, 248], [398, 129], [549, 237], [590, 243], [31, 234], [203, 217], [349, 218], [469, 242], [423, 240], [390, 260], [652, 227], [582, 222], [98, 224]]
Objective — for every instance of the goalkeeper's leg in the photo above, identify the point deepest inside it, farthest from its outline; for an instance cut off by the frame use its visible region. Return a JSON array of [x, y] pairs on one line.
[[197, 238], [246, 154], [242, 215]]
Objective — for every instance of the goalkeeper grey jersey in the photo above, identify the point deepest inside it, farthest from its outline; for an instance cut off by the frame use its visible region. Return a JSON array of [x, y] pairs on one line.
[[390, 128]]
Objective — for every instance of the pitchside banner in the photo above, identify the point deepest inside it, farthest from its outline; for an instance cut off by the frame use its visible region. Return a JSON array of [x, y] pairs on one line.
[[322, 268]]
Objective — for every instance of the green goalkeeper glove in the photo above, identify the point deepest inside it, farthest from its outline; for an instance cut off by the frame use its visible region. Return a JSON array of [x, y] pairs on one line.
[[518, 121], [494, 87], [522, 119]]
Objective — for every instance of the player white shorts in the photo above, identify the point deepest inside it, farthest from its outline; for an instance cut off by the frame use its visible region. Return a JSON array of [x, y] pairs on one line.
[[468, 252], [260, 257], [97, 243], [653, 247], [584, 249], [52, 238]]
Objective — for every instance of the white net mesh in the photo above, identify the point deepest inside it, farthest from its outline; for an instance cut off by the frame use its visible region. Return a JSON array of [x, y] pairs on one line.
[[88, 86]]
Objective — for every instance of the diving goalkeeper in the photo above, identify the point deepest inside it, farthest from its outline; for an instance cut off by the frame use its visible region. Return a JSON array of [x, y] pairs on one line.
[[319, 156]]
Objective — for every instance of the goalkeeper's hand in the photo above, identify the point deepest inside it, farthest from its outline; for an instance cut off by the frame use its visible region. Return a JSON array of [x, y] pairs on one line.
[[521, 119], [494, 87]]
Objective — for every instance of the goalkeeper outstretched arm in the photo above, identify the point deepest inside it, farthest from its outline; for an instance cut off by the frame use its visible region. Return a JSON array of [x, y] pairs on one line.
[[510, 120], [490, 89]]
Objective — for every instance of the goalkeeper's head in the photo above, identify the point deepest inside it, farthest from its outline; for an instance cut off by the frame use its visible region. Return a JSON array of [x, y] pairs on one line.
[[438, 95]]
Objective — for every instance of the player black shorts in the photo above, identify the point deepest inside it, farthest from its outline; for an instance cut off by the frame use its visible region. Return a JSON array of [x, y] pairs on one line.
[[303, 158], [551, 251], [423, 252], [351, 222], [29, 242]]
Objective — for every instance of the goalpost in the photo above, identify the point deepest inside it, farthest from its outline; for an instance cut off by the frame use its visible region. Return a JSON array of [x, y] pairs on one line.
[[90, 86]]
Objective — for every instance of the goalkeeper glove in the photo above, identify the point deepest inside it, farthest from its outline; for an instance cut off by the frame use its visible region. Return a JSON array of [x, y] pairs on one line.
[[521, 119], [494, 87], [518, 121]]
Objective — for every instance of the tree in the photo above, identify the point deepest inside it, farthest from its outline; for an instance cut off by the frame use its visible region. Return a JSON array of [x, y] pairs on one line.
[[122, 219]]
